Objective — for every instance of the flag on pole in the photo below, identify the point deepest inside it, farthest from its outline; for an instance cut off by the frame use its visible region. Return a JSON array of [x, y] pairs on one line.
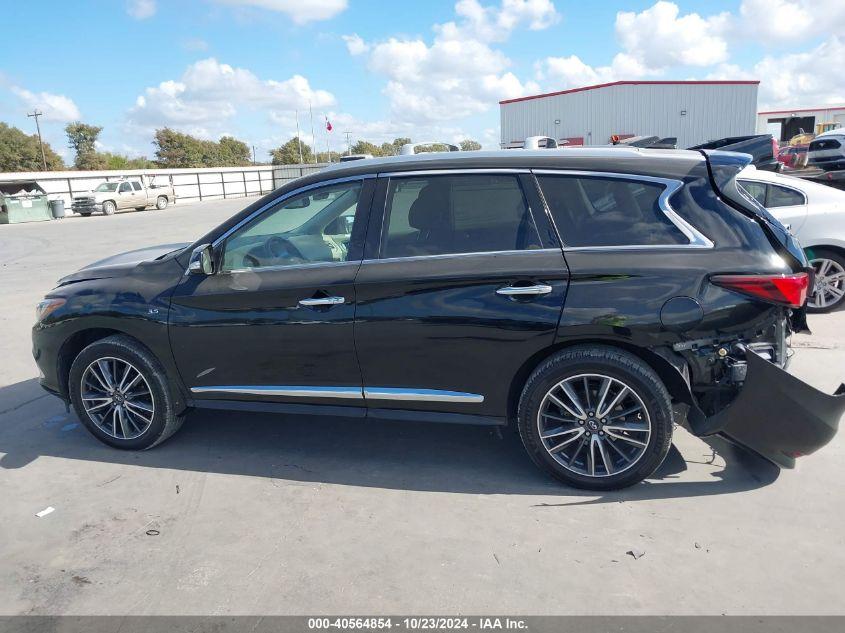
[[328, 125]]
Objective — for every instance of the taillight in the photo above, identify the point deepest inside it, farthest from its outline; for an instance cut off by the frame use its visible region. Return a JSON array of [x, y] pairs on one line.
[[789, 290]]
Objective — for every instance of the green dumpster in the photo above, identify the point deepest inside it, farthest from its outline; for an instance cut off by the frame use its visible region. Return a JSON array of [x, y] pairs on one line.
[[23, 201]]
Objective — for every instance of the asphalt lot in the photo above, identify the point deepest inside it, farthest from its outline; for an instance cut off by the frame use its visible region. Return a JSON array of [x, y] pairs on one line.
[[251, 514]]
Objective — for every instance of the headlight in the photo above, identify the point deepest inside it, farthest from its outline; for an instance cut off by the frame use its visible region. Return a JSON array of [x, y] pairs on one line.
[[46, 307]]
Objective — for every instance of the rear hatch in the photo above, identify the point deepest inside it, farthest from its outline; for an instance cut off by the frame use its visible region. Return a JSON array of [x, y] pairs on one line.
[[724, 167]]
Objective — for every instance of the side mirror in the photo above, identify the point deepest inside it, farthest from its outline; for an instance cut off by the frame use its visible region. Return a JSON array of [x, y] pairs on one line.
[[202, 260]]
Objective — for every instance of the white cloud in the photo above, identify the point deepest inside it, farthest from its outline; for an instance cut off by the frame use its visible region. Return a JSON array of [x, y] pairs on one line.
[[459, 74], [141, 9], [786, 21], [209, 94], [572, 72], [794, 80], [55, 107], [355, 44], [300, 11], [659, 36], [495, 24]]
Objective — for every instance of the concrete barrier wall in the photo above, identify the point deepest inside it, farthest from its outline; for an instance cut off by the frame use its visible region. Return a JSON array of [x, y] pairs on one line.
[[189, 184]]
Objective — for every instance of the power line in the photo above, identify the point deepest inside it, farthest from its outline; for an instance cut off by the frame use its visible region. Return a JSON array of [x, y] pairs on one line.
[[35, 115]]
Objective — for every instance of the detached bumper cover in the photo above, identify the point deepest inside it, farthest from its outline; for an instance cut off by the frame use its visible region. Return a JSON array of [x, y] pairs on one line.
[[775, 414]]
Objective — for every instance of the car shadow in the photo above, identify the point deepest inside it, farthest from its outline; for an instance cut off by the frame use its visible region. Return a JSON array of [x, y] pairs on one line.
[[353, 452]]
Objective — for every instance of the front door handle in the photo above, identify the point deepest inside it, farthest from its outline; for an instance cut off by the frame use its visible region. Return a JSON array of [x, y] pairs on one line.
[[321, 301], [524, 291]]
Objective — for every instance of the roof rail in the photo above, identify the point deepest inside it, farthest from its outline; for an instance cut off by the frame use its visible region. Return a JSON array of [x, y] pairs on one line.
[[408, 149]]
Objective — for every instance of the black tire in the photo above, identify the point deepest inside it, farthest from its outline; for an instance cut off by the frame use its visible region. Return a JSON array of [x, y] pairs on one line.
[[165, 422], [85, 214], [161, 203], [615, 364], [109, 207], [140, 208], [837, 259]]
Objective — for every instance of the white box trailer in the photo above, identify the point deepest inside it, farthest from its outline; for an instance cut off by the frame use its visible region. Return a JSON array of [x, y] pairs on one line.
[[692, 111]]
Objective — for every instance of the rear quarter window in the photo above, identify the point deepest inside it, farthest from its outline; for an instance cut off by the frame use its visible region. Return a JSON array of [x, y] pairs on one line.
[[608, 211]]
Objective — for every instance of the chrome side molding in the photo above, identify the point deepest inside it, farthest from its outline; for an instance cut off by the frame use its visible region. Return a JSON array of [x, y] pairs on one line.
[[354, 393]]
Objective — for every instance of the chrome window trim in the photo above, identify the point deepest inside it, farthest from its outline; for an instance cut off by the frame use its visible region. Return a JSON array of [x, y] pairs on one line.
[[283, 197], [448, 172], [696, 238], [453, 255], [353, 393], [420, 395]]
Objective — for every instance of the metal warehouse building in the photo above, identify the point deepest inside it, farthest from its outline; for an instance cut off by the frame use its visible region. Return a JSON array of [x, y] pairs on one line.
[[784, 124], [692, 111]]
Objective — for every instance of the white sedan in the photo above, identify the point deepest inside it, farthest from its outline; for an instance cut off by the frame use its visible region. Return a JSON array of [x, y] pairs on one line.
[[815, 214]]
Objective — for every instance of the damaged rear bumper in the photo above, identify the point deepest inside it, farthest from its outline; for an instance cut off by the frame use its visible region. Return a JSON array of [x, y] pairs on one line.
[[775, 414]]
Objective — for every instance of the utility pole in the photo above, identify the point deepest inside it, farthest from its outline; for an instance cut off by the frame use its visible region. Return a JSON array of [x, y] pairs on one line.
[[298, 137], [35, 115], [313, 138], [348, 144], [253, 155]]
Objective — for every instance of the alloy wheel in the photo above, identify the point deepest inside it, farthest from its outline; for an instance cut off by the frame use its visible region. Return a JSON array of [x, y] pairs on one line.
[[117, 398], [829, 287], [594, 425]]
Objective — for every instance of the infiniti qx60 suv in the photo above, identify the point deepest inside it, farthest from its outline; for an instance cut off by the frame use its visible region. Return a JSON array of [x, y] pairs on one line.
[[579, 295]]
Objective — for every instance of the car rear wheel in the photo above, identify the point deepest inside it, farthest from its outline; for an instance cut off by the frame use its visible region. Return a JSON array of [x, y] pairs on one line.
[[161, 203], [119, 392], [596, 417], [829, 288], [109, 207]]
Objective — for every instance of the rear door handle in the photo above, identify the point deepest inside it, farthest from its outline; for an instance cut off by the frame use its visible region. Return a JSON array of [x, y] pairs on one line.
[[321, 301], [524, 291]]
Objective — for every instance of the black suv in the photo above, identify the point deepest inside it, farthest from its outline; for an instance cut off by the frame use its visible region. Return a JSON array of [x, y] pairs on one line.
[[585, 295]]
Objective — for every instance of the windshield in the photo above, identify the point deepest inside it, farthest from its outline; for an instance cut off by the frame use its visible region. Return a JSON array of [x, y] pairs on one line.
[[107, 186]]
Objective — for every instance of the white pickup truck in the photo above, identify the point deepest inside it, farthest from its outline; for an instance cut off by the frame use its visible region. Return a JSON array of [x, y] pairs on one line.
[[132, 193]]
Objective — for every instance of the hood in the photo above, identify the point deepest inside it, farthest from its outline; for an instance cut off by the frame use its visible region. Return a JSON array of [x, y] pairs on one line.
[[122, 264]]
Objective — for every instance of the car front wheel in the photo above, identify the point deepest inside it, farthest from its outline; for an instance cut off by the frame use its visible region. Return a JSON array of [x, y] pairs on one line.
[[119, 392], [596, 417], [109, 207]]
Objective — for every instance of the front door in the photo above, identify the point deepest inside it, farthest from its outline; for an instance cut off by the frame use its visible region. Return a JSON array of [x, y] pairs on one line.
[[274, 323], [464, 286]]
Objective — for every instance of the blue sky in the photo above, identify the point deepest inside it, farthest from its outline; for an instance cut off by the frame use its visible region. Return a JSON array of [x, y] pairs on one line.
[[429, 69]]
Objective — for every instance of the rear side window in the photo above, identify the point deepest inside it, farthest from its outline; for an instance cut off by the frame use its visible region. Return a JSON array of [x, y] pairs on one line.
[[756, 190], [136, 186], [822, 144], [441, 215], [783, 197], [604, 211]]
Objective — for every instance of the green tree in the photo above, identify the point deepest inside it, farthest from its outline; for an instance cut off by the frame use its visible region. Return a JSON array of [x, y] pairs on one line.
[[20, 152], [468, 145], [432, 147], [119, 161], [288, 154], [330, 157], [175, 149], [393, 149], [82, 139], [365, 147], [234, 153]]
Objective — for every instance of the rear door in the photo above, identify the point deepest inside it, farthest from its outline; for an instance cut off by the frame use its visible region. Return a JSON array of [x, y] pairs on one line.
[[462, 283]]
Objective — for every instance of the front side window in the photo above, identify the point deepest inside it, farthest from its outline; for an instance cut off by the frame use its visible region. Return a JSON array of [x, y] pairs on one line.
[[783, 197], [466, 213], [313, 227], [125, 188], [608, 211]]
